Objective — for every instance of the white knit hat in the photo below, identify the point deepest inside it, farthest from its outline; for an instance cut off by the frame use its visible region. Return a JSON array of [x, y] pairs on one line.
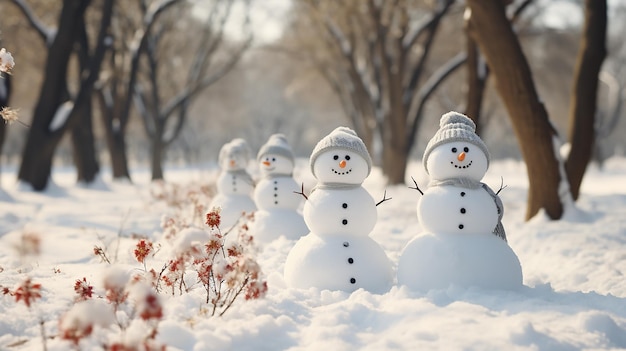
[[454, 126], [341, 138], [277, 145]]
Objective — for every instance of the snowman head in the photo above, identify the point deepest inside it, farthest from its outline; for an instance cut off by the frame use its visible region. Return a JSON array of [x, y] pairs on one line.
[[341, 157], [457, 159], [275, 157], [234, 155], [455, 151]]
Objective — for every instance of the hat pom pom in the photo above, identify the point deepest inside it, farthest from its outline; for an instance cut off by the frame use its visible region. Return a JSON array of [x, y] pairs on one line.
[[277, 139], [345, 130], [455, 117]]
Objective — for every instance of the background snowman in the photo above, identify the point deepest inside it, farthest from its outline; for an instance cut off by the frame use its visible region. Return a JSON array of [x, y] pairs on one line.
[[338, 253], [463, 242], [234, 184], [276, 194]]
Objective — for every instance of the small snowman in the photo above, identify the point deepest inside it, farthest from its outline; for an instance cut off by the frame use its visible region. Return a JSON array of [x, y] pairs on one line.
[[338, 253], [463, 243], [234, 184], [276, 194]]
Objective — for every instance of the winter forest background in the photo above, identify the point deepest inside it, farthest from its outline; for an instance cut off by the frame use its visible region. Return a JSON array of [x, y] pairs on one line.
[[172, 81]]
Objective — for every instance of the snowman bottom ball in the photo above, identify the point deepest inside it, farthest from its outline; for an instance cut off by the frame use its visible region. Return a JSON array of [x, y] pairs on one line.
[[233, 206], [338, 263], [269, 225], [438, 261]]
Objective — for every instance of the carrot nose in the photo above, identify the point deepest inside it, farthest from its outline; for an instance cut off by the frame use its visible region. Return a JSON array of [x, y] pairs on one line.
[[232, 163], [342, 164], [461, 156], [267, 163]]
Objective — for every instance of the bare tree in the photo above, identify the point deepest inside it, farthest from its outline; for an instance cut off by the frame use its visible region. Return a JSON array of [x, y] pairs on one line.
[[583, 106], [164, 116], [374, 54], [490, 27], [478, 72], [117, 86], [549, 177], [83, 140], [52, 117]]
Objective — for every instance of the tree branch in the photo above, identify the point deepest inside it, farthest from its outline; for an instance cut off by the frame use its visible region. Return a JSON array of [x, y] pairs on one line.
[[432, 26], [46, 33], [428, 88]]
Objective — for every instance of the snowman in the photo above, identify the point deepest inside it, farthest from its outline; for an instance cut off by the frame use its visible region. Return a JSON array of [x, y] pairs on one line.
[[275, 195], [338, 253], [234, 184], [463, 243]]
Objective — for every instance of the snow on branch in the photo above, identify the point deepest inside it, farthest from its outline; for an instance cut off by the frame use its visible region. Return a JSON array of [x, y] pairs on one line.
[[339, 36], [47, 34], [420, 97], [6, 61], [60, 117], [412, 36]]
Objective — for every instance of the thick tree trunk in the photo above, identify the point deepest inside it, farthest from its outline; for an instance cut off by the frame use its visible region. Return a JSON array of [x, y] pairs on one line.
[[115, 135], [493, 33], [394, 162], [395, 143], [42, 141], [83, 140], [116, 144], [582, 111], [476, 81], [366, 125], [157, 152]]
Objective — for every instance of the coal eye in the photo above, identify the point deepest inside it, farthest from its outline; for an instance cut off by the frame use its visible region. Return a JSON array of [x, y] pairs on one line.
[[466, 149], [335, 157], [453, 149], [347, 158], [274, 158]]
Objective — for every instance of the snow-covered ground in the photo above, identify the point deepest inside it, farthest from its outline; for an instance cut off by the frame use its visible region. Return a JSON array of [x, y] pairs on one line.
[[574, 294]]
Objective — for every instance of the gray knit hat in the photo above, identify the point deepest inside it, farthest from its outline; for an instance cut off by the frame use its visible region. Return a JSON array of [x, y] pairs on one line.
[[341, 138], [277, 145], [454, 126], [237, 146]]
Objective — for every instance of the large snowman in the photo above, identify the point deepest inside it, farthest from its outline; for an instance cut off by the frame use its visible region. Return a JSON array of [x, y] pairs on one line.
[[234, 184], [463, 243], [338, 253], [275, 195]]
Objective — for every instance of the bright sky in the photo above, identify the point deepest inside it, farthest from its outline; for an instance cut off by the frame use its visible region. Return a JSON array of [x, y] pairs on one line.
[[267, 18], [567, 13], [562, 14]]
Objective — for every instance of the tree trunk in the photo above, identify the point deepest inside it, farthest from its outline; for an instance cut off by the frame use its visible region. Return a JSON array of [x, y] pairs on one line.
[[394, 162], [3, 129], [396, 148], [582, 111], [116, 144], [115, 133], [5, 95], [492, 31], [157, 154], [476, 81], [83, 140], [36, 165]]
